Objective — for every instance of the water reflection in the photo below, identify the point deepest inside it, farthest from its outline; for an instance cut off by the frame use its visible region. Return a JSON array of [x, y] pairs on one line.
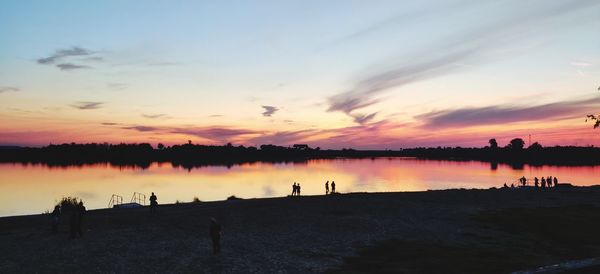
[[31, 188]]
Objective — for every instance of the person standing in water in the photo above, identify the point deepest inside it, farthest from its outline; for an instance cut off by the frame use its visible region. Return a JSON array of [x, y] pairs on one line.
[[215, 232], [332, 186], [326, 187], [153, 203]]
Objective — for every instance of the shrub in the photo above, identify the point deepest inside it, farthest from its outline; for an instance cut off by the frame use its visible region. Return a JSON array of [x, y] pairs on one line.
[[196, 200], [232, 198], [67, 203]]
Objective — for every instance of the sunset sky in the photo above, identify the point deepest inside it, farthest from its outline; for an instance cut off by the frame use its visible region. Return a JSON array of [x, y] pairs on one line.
[[362, 74]]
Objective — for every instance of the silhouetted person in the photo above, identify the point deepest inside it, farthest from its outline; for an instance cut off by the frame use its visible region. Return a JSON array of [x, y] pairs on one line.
[[215, 232], [536, 182], [55, 215], [505, 186], [153, 203], [332, 186], [523, 181], [512, 185], [549, 181], [294, 189], [543, 182], [77, 220], [327, 188], [298, 190], [555, 181]]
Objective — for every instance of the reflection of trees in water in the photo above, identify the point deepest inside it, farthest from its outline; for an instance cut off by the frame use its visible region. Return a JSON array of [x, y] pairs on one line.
[[189, 156]]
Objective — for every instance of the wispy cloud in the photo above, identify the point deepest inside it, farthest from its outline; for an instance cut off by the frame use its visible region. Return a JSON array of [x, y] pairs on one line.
[[109, 124], [69, 66], [64, 58], [9, 89], [363, 118], [475, 46], [269, 110], [142, 128], [215, 133], [87, 105], [581, 64], [117, 86], [62, 53], [404, 17], [282, 137], [154, 116], [503, 114]]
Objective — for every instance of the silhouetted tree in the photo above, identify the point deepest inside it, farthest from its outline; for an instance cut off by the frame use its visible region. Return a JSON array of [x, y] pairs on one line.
[[493, 143], [535, 146], [595, 118], [161, 146], [516, 144]]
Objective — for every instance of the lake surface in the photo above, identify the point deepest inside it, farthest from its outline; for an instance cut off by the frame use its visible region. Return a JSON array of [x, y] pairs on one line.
[[32, 189]]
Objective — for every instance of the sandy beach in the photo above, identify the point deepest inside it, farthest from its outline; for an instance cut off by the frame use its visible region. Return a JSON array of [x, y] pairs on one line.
[[451, 231]]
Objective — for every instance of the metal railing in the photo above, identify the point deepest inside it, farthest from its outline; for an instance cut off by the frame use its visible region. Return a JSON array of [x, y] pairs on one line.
[[115, 200], [138, 198]]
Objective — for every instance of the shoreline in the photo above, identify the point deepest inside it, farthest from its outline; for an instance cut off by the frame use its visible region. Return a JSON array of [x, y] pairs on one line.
[[227, 200], [313, 233]]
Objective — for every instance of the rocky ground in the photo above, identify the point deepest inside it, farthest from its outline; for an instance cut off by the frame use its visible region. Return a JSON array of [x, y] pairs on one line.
[[424, 232]]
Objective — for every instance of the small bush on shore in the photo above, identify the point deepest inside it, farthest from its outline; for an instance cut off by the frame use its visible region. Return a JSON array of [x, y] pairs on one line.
[[196, 200], [233, 198], [68, 203]]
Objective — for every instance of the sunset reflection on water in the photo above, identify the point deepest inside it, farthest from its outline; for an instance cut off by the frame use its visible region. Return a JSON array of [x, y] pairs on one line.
[[32, 189]]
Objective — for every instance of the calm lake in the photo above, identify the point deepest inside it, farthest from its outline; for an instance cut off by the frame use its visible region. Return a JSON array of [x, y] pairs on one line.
[[32, 189]]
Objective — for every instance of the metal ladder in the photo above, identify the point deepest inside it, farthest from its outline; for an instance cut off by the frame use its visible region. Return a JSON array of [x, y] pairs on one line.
[[138, 198], [115, 200]]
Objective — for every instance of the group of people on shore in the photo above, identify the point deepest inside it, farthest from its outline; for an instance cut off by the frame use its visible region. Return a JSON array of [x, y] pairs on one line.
[[537, 183], [77, 212], [327, 187], [296, 189]]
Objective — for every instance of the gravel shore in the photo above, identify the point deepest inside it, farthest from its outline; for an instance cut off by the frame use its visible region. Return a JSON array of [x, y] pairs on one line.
[[276, 235]]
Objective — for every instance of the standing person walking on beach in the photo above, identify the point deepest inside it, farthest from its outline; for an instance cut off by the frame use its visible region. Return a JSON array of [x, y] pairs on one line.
[[215, 232], [332, 186], [327, 188], [298, 190], [294, 189], [555, 181], [153, 203], [77, 220]]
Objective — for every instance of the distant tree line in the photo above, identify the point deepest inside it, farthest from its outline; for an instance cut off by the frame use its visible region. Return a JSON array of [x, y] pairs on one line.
[[186, 155], [514, 153], [193, 155]]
